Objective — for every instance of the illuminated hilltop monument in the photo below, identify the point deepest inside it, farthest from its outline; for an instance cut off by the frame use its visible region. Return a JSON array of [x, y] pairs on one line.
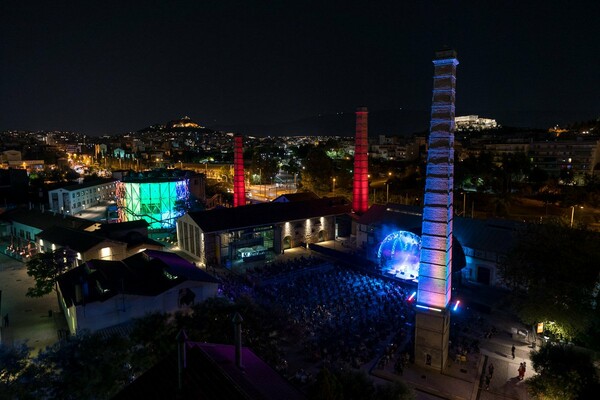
[[435, 263], [239, 187], [360, 189]]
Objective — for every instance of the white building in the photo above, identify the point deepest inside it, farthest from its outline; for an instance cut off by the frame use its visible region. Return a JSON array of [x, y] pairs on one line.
[[474, 123], [74, 198], [101, 294]]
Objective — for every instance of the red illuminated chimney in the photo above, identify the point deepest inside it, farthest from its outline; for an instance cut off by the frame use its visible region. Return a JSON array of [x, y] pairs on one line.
[[360, 192], [239, 187]]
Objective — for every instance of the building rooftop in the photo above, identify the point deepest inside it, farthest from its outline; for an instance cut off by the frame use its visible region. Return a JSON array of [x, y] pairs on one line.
[[487, 235], [87, 184], [148, 273], [45, 220], [211, 374], [77, 240], [268, 213], [300, 196]]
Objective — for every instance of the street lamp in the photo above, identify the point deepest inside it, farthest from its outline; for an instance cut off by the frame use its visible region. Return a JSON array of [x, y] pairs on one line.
[[387, 192], [334, 186], [573, 214]]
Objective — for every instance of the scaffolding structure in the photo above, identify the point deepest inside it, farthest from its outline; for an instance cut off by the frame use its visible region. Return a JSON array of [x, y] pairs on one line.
[[159, 203]]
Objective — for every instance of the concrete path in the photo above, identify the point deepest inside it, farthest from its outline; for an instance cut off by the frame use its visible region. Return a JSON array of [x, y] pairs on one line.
[[29, 319]]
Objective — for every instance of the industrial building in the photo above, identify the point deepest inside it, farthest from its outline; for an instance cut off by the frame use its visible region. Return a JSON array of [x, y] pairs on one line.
[[233, 235]]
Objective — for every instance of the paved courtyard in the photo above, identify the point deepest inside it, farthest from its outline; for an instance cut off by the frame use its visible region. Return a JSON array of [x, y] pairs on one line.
[[29, 319]]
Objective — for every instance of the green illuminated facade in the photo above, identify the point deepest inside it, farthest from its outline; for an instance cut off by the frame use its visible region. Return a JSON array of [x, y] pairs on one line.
[[159, 202]]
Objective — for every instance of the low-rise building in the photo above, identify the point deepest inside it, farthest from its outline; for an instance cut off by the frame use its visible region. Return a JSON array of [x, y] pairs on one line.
[[478, 245], [252, 232], [100, 294], [22, 225], [85, 245], [73, 199]]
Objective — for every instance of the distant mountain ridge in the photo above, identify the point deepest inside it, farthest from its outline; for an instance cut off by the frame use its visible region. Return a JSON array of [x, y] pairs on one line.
[[402, 122], [381, 122]]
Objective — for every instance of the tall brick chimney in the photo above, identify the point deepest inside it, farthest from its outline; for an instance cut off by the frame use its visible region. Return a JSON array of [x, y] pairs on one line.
[[360, 189], [239, 186]]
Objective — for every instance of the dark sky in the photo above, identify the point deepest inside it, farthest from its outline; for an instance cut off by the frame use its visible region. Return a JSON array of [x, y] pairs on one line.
[[105, 67]]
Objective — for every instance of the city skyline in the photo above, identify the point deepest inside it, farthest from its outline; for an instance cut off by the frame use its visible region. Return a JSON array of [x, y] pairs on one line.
[[111, 68]]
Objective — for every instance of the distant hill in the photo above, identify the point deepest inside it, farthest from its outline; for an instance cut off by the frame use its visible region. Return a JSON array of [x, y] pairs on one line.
[[381, 122]]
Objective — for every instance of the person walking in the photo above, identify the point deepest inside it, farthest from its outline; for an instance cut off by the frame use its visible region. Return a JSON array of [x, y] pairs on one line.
[[521, 371], [491, 370], [512, 350]]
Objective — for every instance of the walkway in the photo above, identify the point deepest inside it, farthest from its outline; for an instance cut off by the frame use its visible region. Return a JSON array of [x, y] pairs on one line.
[[29, 319]]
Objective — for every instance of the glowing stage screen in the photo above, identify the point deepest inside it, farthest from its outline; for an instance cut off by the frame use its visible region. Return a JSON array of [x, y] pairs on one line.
[[398, 255]]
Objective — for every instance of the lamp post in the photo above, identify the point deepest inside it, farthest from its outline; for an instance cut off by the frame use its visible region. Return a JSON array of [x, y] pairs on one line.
[[334, 186], [573, 214], [387, 192]]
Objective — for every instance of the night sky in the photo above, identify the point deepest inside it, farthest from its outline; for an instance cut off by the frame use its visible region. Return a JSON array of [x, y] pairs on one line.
[[106, 67]]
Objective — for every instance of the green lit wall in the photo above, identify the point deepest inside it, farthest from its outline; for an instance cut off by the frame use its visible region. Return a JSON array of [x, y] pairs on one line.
[[159, 203]]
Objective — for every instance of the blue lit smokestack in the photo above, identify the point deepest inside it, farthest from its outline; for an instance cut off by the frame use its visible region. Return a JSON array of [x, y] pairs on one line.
[[435, 263]]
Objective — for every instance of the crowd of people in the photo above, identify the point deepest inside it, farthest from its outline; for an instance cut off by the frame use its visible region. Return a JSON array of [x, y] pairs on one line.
[[343, 314], [282, 268]]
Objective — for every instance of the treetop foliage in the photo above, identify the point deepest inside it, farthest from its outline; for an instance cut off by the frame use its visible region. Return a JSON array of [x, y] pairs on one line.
[[554, 273]]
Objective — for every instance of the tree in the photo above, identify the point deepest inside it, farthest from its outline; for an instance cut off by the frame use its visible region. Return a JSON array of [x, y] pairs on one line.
[[317, 173], [553, 273], [265, 163], [562, 374], [152, 339], [326, 387], [515, 166], [13, 360], [45, 269], [396, 390], [85, 366], [355, 385], [352, 384]]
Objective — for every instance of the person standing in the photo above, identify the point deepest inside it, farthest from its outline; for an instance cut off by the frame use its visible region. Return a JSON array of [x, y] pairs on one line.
[[512, 350], [521, 371], [6, 321], [491, 370]]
